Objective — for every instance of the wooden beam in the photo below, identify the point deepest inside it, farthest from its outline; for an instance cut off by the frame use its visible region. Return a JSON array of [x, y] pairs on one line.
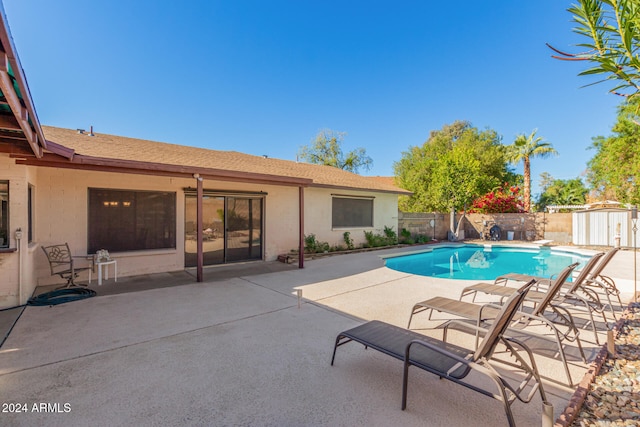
[[14, 136], [9, 122], [13, 149], [21, 114], [148, 168]]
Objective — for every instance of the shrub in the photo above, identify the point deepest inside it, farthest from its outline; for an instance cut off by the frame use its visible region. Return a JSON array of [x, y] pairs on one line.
[[391, 236], [376, 240], [422, 239], [348, 240], [501, 200], [312, 246]]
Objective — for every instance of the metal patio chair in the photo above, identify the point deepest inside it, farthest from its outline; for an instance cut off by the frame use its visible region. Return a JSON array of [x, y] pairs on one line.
[[455, 363], [62, 263], [556, 320]]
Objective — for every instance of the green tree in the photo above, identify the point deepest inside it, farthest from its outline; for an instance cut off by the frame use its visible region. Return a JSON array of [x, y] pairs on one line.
[[561, 191], [455, 165], [326, 149], [613, 171], [612, 30], [523, 150]]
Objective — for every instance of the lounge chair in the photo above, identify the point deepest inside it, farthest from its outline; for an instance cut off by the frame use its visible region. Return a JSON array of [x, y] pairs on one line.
[[453, 362], [575, 293], [544, 313], [61, 263], [499, 286], [605, 284]]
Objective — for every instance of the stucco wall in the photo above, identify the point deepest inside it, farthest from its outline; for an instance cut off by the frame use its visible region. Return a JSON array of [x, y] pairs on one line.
[[66, 191], [61, 215], [318, 216], [9, 264]]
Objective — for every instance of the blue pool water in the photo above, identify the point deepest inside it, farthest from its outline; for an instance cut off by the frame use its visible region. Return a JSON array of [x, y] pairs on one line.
[[476, 262]]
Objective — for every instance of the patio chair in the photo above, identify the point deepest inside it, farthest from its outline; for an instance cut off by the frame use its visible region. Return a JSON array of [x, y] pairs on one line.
[[499, 286], [452, 362], [605, 284], [61, 263], [545, 313], [574, 293]]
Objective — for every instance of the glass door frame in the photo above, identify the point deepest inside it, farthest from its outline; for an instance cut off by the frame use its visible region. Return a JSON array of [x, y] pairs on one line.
[[226, 195]]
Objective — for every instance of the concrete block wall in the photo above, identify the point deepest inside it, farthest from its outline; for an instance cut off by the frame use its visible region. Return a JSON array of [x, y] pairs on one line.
[[525, 226]]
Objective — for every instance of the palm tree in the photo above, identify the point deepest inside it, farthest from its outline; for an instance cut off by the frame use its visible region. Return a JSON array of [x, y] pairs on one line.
[[523, 149]]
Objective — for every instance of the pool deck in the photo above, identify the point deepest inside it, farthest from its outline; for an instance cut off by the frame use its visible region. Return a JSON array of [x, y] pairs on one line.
[[245, 351]]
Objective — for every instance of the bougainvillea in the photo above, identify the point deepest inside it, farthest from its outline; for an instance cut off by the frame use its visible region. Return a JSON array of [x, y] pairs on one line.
[[504, 199]]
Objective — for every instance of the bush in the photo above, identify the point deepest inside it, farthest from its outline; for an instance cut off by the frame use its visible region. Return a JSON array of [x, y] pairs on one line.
[[389, 238], [312, 246], [422, 239], [502, 200], [406, 237], [348, 240]]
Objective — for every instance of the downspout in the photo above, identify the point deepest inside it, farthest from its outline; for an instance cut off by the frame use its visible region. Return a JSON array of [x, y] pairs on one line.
[[301, 230], [200, 255]]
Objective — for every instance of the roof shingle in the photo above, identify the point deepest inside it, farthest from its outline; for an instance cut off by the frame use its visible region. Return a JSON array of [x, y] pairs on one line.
[[131, 149]]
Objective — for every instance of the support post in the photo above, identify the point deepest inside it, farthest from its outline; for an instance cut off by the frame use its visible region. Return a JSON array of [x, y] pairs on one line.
[[301, 230], [199, 214]]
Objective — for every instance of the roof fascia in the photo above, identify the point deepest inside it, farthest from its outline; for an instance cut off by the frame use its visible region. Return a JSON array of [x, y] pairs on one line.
[[147, 168], [23, 114], [376, 190]]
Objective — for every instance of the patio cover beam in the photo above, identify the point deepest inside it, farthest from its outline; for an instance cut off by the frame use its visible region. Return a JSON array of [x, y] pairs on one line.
[[22, 108], [199, 221], [159, 169]]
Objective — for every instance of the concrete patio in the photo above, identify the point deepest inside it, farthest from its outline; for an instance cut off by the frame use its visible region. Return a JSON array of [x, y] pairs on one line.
[[241, 351]]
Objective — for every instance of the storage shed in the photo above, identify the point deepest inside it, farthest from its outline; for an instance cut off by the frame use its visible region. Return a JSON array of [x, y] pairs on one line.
[[599, 227]]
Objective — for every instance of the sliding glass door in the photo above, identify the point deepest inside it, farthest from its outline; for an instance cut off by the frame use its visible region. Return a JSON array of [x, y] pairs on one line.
[[232, 229], [244, 229]]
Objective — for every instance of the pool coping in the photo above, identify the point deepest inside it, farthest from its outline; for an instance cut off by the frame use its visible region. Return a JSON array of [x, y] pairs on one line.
[[579, 251]]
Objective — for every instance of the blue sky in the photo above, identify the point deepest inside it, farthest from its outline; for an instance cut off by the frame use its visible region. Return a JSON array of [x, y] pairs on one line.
[[264, 77]]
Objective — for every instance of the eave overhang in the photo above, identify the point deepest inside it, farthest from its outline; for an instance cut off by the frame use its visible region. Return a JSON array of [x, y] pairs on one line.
[[19, 124], [81, 162]]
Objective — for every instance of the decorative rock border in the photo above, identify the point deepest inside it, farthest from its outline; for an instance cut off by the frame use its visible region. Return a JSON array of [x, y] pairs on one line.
[[576, 402]]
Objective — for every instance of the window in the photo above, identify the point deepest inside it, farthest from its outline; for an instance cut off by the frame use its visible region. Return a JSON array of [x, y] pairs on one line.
[[125, 220], [352, 212], [4, 214]]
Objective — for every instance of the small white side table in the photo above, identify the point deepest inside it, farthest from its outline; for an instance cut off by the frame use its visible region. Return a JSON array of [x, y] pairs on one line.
[[100, 264]]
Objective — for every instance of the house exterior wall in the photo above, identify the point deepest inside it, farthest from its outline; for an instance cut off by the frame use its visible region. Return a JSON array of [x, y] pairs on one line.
[[61, 215], [318, 215], [9, 261], [66, 193]]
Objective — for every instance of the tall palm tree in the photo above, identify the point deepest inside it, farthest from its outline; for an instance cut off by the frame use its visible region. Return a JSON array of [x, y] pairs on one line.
[[523, 149]]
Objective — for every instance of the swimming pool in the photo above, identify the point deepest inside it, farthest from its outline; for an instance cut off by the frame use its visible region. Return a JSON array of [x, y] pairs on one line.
[[484, 262]]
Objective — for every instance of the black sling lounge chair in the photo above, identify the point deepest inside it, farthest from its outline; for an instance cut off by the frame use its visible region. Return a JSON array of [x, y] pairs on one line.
[[453, 362], [545, 313]]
